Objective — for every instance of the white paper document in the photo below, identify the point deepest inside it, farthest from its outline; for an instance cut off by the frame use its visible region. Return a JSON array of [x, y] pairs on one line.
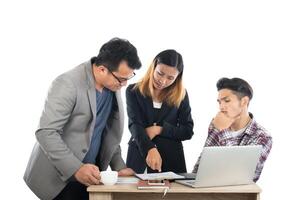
[[159, 176]]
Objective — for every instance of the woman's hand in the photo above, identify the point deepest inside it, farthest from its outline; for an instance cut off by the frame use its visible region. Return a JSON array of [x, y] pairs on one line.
[[153, 159]]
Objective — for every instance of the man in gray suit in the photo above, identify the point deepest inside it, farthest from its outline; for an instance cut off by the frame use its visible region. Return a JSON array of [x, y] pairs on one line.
[[81, 126]]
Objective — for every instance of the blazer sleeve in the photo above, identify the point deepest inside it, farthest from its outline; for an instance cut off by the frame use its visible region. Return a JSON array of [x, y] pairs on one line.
[[117, 163], [184, 128], [57, 111], [136, 124]]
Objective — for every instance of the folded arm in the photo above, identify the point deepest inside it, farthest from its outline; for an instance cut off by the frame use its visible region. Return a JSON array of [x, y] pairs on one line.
[[183, 130]]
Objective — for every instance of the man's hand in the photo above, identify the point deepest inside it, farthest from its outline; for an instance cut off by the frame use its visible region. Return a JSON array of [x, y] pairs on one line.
[[153, 131], [223, 121], [88, 174], [126, 172], [153, 159]]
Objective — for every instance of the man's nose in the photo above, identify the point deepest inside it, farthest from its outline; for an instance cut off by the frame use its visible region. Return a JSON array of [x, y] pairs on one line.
[[222, 107]]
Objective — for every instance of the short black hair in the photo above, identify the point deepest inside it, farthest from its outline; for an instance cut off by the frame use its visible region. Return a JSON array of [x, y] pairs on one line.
[[239, 86], [115, 51]]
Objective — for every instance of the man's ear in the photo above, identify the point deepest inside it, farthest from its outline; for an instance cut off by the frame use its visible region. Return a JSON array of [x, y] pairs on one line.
[[100, 68], [245, 101]]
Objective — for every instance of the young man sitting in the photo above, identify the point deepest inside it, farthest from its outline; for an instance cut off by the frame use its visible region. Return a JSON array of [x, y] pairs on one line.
[[234, 125]]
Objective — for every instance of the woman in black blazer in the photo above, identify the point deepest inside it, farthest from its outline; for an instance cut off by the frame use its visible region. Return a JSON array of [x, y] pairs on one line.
[[159, 117]]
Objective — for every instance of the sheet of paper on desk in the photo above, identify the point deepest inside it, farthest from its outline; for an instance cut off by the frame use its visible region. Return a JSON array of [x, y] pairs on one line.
[[159, 176], [127, 180]]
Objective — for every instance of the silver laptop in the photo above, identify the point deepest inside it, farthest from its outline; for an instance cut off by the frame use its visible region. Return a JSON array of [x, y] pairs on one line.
[[226, 165]]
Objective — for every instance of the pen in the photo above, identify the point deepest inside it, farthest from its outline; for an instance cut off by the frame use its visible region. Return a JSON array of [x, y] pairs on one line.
[[165, 192]]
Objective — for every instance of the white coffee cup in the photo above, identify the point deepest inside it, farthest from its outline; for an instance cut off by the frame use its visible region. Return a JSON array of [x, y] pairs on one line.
[[109, 177]]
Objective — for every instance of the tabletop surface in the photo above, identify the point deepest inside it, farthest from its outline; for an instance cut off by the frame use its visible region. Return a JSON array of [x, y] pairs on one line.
[[175, 188]]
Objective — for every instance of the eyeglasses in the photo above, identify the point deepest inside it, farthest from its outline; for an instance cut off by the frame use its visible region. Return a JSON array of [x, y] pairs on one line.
[[121, 80]]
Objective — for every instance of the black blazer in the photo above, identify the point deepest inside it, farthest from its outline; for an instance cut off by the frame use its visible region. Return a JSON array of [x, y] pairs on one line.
[[177, 126]]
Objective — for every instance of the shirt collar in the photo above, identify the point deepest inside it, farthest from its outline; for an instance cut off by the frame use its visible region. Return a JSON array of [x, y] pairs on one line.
[[252, 126]]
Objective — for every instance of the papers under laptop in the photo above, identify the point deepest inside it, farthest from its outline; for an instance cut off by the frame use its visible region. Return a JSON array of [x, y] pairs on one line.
[[159, 176], [187, 176], [225, 165]]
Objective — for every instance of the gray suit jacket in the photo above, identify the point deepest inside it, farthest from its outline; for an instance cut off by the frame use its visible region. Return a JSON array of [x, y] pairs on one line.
[[65, 130]]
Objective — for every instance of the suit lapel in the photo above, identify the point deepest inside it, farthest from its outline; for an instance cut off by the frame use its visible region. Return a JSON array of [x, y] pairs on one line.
[[91, 95], [92, 100], [150, 110], [120, 110]]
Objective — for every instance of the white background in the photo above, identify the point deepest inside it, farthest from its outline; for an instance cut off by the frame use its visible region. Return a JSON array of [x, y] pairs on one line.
[[255, 40]]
